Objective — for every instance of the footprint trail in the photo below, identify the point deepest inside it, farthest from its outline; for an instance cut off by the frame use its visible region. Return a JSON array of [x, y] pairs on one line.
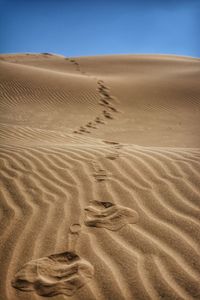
[[107, 101]]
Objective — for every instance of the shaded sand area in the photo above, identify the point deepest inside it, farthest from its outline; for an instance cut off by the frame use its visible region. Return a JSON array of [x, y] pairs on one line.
[[99, 177]]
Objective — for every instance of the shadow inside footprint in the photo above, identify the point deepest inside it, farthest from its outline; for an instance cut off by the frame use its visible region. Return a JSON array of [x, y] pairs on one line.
[[62, 273], [111, 142], [108, 215], [112, 156], [100, 176]]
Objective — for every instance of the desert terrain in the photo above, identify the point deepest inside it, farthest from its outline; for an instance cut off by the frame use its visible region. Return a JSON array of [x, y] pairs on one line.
[[99, 177]]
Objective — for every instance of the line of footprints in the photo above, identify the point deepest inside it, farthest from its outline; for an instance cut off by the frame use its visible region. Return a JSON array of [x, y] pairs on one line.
[[65, 273], [108, 103], [106, 100]]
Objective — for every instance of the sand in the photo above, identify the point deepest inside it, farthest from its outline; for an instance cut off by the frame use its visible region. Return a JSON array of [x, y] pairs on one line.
[[99, 177]]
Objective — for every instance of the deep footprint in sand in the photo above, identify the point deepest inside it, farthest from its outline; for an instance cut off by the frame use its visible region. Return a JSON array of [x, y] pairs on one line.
[[108, 215], [62, 273]]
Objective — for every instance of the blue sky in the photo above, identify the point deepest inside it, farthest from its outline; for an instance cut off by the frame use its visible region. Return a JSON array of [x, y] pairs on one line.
[[86, 27]]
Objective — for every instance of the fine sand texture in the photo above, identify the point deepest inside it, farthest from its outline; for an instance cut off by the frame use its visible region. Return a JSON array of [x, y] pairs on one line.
[[99, 177]]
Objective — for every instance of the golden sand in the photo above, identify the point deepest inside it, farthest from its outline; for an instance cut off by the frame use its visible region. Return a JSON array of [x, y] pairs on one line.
[[99, 177]]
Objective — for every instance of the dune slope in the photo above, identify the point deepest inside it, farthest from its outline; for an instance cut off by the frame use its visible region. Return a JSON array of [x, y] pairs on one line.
[[99, 177]]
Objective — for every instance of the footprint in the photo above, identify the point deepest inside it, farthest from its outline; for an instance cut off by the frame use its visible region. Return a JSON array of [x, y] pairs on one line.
[[96, 166], [99, 120], [111, 142], [100, 82], [107, 115], [77, 132], [109, 216], [91, 125], [113, 108], [104, 93], [83, 129], [99, 173], [62, 273], [104, 101], [103, 87], [100, 176], [112, 156], [118, 147], [101, 103]]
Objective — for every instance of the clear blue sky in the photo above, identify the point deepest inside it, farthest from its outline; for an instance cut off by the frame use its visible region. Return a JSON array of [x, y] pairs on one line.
[[86, 27]]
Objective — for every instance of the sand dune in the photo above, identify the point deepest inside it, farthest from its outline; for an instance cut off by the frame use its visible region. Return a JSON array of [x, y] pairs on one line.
[[100, 177]]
